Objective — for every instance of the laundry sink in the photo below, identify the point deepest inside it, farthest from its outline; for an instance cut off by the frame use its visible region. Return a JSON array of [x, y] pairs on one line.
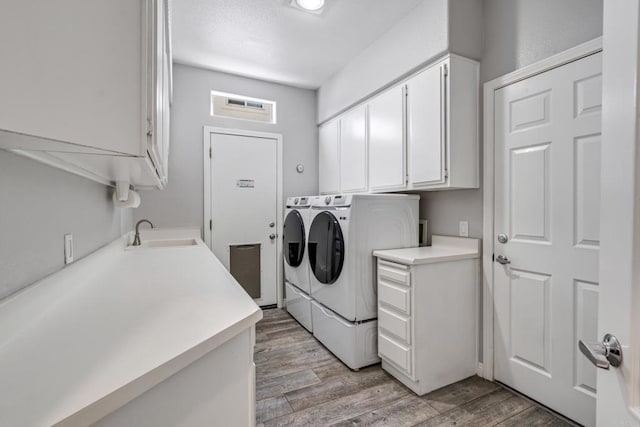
[[169, 243]]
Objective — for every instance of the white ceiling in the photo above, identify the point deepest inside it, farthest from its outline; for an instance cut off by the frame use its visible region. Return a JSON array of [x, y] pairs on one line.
[[269, 40]]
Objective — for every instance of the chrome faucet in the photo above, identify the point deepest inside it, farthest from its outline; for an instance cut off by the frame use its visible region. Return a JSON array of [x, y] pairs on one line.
[[136, 240]]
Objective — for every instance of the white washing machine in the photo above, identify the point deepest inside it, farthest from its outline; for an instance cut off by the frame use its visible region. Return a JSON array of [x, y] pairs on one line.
[[344, 232], [294, 246], [296, 260]]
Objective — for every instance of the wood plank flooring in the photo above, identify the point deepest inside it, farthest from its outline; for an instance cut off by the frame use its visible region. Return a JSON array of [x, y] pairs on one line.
[[300, 383]]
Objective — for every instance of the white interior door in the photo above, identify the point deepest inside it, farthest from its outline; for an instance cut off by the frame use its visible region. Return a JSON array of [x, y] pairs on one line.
[[547, 203], [619, 388], [244, 205]]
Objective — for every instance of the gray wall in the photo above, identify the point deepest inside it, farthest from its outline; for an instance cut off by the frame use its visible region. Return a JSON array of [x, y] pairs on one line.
[[430, 30], [38, 205], [516, 33], [181, 203]]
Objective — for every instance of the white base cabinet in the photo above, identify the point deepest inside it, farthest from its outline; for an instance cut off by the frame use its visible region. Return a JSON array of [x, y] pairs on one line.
[[92, 88], [217, 389], [428, 312]]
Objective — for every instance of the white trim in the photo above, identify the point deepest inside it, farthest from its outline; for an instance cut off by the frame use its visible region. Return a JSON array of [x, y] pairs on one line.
[[207, 131], [562, 58], [56, 162]]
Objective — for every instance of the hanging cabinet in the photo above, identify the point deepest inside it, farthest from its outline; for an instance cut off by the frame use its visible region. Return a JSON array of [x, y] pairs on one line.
[[353, 151], [421, 134], [92, 92], [387, 140], [329, 158]]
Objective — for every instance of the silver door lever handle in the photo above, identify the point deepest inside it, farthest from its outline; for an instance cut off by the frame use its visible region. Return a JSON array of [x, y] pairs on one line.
[[501, 259], [603, 354]]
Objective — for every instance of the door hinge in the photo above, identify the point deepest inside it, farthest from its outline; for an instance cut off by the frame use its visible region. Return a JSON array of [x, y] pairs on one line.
[[445, 70], [446, 173], [210, 224], [210, 155], [493, 257]]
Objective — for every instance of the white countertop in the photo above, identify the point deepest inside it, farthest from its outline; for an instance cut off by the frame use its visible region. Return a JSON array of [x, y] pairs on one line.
[[442, 249], [92, 337]]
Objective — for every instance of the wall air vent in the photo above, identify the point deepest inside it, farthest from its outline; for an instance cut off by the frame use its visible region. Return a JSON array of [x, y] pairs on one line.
[[242, 107]]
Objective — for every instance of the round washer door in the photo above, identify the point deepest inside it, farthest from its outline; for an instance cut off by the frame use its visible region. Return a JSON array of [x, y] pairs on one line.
[[326, 248], [294, 240]]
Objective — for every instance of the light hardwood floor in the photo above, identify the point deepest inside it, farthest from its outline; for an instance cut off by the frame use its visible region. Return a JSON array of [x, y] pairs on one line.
[[300, 383]]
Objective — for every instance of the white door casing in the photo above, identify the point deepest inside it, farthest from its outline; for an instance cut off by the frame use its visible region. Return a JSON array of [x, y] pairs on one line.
[[243, 196], [547, 201], [619, 314]]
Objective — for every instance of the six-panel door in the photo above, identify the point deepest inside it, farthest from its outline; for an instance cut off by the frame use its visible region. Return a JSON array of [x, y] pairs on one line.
[[547, 201]]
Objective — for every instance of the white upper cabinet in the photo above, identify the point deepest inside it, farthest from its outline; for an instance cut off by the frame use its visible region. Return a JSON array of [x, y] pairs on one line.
[[387, 140], [329, 158], [425, 130], [442, 126], [88, 86], [353, 151]]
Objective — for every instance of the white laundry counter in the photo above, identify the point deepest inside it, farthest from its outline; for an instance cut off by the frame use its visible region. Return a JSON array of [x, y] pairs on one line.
[[144, 336]]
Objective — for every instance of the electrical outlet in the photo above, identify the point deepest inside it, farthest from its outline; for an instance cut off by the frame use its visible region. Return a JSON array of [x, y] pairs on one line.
[[464, 228], [68, 248]]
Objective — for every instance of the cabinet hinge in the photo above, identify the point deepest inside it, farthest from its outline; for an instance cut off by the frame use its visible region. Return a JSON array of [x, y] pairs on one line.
[[149, 128], [210, 224]]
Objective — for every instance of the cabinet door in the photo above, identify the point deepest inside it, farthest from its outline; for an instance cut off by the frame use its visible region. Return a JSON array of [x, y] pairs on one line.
[[386, 140], [353, 151], [328, 158], [426, 127]]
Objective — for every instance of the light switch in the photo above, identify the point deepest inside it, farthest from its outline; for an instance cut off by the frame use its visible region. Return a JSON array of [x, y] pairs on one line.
[[464, 228], [68, 248]]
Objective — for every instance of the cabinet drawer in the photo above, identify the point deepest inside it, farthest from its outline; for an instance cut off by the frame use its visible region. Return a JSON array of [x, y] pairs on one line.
[[394, 296], [394, 272], [396, 325], [395, 353]]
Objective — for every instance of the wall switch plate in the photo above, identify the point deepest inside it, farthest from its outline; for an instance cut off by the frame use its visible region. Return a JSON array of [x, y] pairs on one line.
[[68, 248], [464, 228]]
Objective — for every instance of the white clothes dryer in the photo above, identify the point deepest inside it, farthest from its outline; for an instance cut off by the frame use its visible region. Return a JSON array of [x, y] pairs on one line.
[[344, 232]]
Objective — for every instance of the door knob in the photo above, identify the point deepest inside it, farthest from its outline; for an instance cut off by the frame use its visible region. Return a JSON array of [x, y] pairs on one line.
[[602, 354], [272, 236], [501, 259], [503, 238]]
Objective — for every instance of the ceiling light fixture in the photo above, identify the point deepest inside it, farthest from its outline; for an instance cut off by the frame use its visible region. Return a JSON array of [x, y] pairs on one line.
[[311, 5]]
